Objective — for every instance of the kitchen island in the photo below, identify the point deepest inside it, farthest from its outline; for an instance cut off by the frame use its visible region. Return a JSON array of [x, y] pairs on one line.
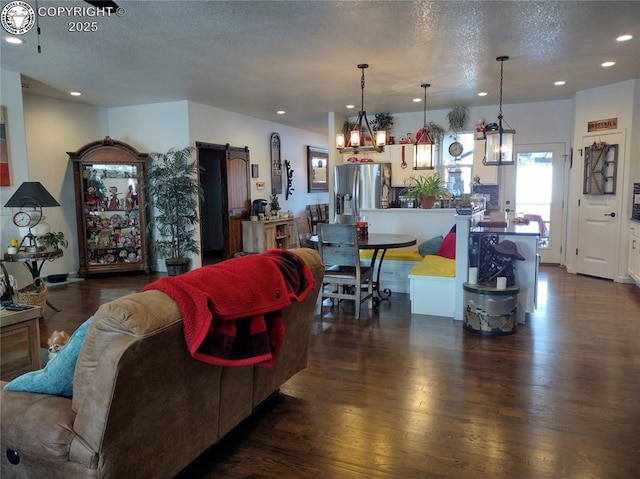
[[526, 237]]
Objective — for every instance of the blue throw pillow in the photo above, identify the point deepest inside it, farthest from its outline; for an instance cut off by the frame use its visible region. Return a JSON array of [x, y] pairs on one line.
[[430, 246], [57, 376]]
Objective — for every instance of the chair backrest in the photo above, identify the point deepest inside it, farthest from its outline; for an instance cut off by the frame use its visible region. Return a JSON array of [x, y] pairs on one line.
[[303, 231], [338, 244]]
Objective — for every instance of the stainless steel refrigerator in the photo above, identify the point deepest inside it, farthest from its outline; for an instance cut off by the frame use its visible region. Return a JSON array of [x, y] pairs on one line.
[[358, 186]]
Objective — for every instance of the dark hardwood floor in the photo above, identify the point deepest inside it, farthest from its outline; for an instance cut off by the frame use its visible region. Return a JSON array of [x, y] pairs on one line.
[[396, 396]]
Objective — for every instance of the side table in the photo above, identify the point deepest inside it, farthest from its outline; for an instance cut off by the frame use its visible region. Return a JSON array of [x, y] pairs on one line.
[[19, 342], [34, 261], [490, 311]]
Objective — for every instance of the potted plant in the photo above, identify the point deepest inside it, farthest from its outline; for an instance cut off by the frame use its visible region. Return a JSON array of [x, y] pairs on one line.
[[52, 240], [457, 118], [426, 189], [274, 205], [175, 191], [383, 122]]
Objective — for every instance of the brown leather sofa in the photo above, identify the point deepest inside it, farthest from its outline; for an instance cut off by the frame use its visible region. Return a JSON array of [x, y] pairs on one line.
[[142, 407]]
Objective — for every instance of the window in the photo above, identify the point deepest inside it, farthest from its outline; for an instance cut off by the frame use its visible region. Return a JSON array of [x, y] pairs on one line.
[[457, 171]]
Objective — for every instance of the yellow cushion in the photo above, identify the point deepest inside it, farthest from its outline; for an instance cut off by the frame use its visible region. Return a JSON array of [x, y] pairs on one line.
[[409, 253], [433, 265]]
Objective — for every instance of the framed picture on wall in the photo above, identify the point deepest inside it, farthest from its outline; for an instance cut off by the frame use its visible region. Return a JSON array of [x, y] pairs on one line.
[[317, 169], [5, 178]]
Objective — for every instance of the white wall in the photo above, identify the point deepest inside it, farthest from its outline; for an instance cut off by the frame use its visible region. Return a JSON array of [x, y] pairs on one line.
[[213, 125], [47, 128], [159, 127], [151, 128], [618, 100]]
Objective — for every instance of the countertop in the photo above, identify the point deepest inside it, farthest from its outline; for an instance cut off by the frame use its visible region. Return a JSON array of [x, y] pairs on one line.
[[531, 229]]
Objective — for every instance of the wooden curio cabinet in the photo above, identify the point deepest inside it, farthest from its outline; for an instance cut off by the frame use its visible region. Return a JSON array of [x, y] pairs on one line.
[[110, 207]]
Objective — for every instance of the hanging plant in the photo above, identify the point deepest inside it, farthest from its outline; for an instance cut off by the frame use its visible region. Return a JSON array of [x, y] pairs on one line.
[[436, 132], [457, 118]]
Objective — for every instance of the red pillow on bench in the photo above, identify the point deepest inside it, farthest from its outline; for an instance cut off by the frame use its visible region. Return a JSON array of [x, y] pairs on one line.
[[448, 246]]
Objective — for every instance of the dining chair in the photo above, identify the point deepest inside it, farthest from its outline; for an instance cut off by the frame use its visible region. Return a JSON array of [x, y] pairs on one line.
[[313, 213], [302, 232], [344, 276]]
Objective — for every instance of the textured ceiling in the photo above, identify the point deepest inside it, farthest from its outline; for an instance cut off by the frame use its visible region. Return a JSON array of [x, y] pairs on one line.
[[258, 57]]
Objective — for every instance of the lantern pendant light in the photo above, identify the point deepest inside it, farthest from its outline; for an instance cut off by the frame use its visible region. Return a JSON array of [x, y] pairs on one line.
[[423, 159], [500, 141], [362, 129]]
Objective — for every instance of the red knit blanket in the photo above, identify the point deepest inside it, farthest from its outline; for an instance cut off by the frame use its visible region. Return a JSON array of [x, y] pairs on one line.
[[232, 310]]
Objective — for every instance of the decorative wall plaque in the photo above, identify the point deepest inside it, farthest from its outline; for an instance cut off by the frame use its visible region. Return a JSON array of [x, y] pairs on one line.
[[600, 168], [599, 125], [276, 165]]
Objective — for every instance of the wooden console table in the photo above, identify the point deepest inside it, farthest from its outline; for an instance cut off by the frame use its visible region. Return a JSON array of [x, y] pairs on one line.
[[19, 342]]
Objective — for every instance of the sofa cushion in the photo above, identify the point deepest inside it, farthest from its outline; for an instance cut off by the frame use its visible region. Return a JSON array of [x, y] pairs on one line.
[[431, 246], [434, 265], [448, 247], [57, 376]]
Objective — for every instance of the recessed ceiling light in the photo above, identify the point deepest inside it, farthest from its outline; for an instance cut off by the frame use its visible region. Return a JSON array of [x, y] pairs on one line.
[[483, 93], [281, 112], [624, 38], [417, 100], [608, 64], [350, 106], [559, 82], [14, 40], [75, 93]]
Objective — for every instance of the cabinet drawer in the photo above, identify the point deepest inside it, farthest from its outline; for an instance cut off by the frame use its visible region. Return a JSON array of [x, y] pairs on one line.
[[19, 349]]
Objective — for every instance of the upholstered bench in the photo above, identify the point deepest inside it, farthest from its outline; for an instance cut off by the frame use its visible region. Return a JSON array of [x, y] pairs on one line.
[[432, 285], [395, 267]]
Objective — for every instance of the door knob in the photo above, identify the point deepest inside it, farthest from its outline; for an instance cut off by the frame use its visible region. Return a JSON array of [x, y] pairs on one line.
[[612, 214]]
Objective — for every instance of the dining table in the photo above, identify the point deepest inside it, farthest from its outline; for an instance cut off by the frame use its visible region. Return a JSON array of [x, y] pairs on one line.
[[380, 243]]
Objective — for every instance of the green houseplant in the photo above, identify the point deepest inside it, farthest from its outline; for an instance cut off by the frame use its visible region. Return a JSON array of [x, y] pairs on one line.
[[383, 122], [274, 204], [175, 191], [426, 189], [53, 240], [457, 118]]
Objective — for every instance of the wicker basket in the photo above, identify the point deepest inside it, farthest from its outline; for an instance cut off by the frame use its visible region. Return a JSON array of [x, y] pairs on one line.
[[34, 295]]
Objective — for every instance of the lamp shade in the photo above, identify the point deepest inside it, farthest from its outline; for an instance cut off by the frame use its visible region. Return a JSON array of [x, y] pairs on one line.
[[31, 193]]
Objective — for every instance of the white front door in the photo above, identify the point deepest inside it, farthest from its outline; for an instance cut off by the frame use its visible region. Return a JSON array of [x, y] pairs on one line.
[[535, 189], [599, 209]]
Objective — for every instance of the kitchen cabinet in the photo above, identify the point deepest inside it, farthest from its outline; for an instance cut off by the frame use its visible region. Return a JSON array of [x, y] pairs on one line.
[[634, 251], [110, 207], [259, 236], [393, 154]]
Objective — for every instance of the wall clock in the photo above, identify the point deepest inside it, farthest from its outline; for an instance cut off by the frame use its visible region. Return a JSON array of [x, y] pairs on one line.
[[456, 149]]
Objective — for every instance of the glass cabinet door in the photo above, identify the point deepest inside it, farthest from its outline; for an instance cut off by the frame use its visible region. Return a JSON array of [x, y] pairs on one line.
[[112, 215]]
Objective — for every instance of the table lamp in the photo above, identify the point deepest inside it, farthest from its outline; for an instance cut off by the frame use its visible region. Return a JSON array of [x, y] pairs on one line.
[[30, 198]]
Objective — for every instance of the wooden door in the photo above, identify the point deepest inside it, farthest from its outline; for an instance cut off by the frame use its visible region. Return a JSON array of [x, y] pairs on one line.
[[224, 172], [599, 219], [238, 197]]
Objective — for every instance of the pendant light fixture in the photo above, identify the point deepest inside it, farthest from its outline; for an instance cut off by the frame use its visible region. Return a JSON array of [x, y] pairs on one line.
[[499, 147], [361, 134], [423, 159]]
